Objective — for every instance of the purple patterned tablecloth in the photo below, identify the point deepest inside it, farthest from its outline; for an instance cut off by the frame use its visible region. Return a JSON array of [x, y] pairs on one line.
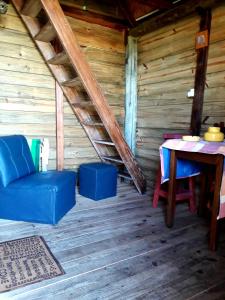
[[201, 147]]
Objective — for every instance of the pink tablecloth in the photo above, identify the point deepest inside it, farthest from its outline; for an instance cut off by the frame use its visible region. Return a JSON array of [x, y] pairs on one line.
[[202, 147]]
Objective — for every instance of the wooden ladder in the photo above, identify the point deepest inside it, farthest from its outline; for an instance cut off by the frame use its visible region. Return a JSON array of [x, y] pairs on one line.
[[58, 45]]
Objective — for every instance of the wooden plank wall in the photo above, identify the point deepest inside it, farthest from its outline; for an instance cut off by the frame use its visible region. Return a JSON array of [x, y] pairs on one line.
[[105, 51], [166, 68], [27, 88]]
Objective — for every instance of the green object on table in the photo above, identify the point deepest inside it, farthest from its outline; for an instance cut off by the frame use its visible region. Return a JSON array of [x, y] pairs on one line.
[[35, 152]]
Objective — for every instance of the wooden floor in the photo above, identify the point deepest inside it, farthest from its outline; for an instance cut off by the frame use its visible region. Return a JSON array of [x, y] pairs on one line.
[[120, 248]]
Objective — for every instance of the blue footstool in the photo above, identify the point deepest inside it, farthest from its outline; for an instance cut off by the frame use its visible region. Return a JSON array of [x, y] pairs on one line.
[[97, 180]]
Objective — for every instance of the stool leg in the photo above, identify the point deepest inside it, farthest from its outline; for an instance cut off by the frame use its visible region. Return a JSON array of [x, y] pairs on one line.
[[157, 189], [192, 200]]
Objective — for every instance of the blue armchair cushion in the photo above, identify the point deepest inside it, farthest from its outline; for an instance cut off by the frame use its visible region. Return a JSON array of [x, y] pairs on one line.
[[15, 159], [40, 197]]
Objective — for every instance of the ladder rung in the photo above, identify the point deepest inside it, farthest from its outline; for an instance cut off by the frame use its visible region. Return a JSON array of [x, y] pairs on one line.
[[93, 124], [31, 8], [116, 159], [104, 142], [124, 175], [72, 82], [83, 104], [46, 34], [59, 59]]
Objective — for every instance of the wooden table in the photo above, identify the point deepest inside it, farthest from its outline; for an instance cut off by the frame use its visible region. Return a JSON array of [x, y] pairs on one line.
[[209, 159]]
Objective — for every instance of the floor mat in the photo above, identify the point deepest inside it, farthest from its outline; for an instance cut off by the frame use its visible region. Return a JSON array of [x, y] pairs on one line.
[[26, 261]]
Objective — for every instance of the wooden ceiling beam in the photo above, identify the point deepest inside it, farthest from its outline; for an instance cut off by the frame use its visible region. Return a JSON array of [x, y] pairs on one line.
[[157, 4], [179, 11], [106, 7], [95, 18], [141, 8], [126, 11]]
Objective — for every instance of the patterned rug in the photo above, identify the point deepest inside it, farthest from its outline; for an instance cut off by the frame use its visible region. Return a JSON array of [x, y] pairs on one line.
[[26, 261]]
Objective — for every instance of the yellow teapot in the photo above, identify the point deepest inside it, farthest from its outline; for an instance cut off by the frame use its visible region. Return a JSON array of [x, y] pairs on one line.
[[214, 135]]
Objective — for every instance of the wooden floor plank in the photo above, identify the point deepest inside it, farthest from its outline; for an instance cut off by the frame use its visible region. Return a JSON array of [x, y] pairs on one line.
[[153, 274], [140, 265], [215, 292], [101, 258], [196, 276], [120, 248]]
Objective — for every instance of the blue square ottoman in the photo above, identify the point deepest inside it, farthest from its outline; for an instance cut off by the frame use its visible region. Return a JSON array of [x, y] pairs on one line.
[[97, 180]]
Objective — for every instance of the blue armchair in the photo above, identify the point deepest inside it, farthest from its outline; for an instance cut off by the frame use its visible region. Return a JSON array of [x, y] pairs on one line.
[[27, 195]]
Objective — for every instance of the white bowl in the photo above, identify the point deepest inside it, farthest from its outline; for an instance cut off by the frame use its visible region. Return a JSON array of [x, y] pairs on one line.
[[191, 138]]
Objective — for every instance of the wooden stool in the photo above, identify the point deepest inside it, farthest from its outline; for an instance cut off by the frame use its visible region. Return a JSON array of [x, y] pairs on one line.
[[181, 194]]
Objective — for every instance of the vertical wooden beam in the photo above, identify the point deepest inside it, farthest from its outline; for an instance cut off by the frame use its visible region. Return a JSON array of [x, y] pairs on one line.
[[131, 93], [59, 128], [200, 75]]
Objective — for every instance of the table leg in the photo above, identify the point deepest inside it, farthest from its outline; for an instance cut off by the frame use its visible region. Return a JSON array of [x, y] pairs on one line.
[[203, 192], [215, 204], [172, 190]]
